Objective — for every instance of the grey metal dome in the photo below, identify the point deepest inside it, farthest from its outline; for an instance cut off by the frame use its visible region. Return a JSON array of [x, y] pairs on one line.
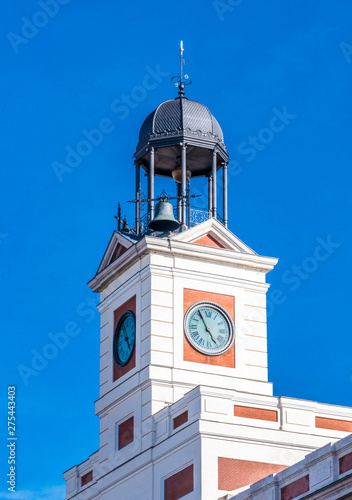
[[180, 117], [181, 121]]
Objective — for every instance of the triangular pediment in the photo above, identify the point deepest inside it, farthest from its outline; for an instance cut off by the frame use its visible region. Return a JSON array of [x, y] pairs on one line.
[[212, 233], [209, 240], [117, 246]]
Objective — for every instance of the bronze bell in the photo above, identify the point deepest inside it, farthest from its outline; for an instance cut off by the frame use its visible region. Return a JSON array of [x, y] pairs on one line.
[[164, 219]]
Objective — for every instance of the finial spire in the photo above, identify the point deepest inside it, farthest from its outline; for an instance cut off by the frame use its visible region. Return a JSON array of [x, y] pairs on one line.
[[181, 86], [179, 80], [118, 217]]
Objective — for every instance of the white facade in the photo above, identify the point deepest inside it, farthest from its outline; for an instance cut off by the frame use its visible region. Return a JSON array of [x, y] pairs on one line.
[[231, 412]]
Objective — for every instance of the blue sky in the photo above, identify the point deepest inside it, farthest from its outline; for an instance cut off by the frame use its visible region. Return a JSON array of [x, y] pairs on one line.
[[289, 189]]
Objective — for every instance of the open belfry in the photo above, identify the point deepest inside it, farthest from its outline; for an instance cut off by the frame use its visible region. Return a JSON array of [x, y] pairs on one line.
[[185, 406]]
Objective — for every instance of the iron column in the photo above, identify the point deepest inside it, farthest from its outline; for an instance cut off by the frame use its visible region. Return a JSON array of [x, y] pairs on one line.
[[225, 201], [151, 185], [138, 198], [213, 172], [183, 184], [189, 203], [210, 195], [179, 209]]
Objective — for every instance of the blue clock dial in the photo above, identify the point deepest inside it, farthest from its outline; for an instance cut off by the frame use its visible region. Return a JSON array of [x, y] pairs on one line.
[[124, 338], [209, 328]]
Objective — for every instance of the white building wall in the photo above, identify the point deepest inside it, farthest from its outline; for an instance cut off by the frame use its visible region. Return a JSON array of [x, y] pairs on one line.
[[158, 281]]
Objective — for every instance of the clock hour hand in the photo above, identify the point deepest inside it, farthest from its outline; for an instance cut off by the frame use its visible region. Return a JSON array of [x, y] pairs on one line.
[[125, 335], [206, 326]]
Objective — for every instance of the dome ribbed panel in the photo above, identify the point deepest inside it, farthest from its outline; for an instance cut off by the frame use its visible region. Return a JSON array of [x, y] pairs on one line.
[[178, 116], [196, 117], [217, 129], [168, 117], [146, 127]]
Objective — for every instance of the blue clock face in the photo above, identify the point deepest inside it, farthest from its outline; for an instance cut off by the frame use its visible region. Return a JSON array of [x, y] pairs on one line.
[[209, 328], [124, 338]]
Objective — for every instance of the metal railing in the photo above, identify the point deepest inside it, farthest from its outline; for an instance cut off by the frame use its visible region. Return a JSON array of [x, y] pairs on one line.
[[197, 217]]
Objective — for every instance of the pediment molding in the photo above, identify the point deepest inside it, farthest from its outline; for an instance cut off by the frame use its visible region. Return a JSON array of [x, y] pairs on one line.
[[118, 245], [216, 232], [230, 250]]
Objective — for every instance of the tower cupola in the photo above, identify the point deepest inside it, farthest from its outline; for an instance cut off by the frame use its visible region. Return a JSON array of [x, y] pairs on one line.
[[182, 140]]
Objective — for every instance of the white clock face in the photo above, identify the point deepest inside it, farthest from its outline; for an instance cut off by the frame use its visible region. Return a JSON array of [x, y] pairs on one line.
[[209, 328]]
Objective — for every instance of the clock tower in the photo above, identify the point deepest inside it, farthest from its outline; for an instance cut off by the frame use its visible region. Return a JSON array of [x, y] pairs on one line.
[[185, 406]]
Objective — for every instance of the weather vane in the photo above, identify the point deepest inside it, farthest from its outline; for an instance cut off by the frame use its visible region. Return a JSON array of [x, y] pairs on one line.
[[180, 80]]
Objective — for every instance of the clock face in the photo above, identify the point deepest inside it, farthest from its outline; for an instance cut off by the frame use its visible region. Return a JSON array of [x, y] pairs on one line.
[[124, 338], [209, 328]]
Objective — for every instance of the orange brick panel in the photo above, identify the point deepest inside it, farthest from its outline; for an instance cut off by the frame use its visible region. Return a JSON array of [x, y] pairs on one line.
[[333, 424], [87, 478], [233, 474], [126, 432], [180, 419], [179, 485], [119, 371], [258, 413], [119, 250], [190, 297], [345, 463], [295, 489], [208, 241]]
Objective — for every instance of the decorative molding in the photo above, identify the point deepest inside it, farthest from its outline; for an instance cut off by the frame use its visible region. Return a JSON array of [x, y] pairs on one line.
[[115, 240], [239, 255]]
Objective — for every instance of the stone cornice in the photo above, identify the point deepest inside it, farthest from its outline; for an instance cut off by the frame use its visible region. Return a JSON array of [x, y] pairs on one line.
[[184, 249]]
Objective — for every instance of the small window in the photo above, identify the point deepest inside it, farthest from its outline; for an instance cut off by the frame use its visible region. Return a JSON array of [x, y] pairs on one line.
[[179, 485], [125, 433], [180, 419], [87, 478], [345, 463]]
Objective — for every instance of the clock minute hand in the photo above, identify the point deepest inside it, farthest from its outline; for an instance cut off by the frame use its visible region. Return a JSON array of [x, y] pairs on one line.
[[125, 335], [206, 326]]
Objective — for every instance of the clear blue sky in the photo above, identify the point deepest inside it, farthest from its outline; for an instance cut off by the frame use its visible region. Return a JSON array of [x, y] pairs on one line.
[[289, 193]]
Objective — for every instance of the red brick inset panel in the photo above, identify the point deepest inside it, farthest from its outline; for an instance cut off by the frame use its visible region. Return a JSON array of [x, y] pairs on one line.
[[233, 474], [208, 241], [87, 478], [126, 432], [295, 489], [333, 424], [119, 371], [190, 297], [179, 485], [345, 463], [258, 413], [180, 419]]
